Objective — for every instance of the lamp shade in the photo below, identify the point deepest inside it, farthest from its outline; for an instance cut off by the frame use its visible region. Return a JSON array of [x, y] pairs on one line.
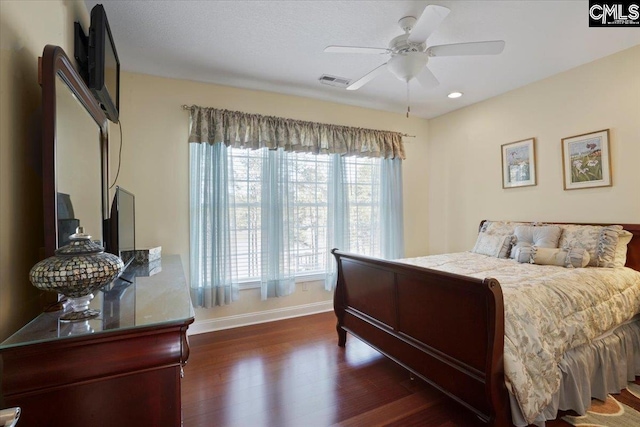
[[76, 271], [406, 66]]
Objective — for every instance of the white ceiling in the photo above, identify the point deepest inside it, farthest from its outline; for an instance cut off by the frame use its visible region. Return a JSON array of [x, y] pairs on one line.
[[278, 45]]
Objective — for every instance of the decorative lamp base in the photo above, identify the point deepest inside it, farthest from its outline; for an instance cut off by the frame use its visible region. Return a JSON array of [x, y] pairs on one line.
[[80, 310], [78, 316]]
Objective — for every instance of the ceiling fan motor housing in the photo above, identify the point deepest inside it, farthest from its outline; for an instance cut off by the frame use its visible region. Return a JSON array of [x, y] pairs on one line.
[[401, 44]]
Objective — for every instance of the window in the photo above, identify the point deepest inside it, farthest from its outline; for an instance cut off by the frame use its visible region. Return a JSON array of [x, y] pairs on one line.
[[308, 185], [270, 216]]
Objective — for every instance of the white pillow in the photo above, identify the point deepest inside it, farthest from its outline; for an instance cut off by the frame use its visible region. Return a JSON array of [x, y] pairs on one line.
[[624, 237], [493, 245], [546, 236]]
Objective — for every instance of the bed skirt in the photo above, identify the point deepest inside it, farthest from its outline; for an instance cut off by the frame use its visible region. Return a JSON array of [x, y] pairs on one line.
[[592, 370]]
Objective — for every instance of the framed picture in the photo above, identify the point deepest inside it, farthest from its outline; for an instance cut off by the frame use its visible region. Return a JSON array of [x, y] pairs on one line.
[[585, 160], [519, 163]]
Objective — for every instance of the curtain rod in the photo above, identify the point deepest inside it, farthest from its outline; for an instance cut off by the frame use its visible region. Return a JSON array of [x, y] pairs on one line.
[[405, 135]]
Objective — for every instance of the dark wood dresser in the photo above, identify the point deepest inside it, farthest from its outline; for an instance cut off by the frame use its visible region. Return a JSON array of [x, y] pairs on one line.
[[120, 369]]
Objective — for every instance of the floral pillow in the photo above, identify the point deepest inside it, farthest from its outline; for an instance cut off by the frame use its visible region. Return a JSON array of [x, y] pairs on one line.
[[493, 245], [501, 228], [599, 241]]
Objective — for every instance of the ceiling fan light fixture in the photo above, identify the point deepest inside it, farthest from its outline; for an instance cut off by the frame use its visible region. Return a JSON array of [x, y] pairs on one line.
[[406, 66], [454, 95]]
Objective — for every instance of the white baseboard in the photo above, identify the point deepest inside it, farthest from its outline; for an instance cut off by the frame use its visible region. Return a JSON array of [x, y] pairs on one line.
[[210, 325]]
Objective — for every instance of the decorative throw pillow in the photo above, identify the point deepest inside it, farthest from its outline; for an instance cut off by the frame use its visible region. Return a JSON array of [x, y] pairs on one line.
[[624, 237], [546, 236], [493, 245], [607, 244], [501, 228], [578, 258], [552, 256], [599, 241]]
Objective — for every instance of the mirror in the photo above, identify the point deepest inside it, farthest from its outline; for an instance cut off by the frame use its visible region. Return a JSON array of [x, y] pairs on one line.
[[78, 167], [74, 153]]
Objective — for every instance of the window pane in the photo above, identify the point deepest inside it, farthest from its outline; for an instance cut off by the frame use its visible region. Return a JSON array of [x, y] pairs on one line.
[[309, 183], [363, 181]]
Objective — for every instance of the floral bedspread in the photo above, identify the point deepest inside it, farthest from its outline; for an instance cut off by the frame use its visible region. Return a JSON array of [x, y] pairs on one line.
[[548, 310]]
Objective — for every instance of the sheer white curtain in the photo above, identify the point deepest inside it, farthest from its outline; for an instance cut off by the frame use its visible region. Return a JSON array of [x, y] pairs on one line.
[[278, 271], [391, 211], [337, 216], [213, 271]]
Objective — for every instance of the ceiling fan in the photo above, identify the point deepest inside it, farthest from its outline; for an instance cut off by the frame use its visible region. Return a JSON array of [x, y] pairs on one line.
[[409, 51]]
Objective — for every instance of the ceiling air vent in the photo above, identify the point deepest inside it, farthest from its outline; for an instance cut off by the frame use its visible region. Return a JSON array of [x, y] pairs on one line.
[[334, 81]]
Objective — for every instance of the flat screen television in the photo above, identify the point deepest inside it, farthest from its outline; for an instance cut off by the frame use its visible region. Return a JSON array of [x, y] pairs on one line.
[[103, 64], [122, 226]]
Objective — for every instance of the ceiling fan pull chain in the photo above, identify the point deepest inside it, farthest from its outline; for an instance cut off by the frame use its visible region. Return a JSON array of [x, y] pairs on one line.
[[408, 101]]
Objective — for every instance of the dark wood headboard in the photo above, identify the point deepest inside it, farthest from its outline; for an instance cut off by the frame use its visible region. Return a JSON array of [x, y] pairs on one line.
[[633, 249]]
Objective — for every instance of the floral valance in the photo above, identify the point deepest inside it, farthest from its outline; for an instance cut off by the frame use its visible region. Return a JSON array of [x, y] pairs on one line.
[[243, 130]]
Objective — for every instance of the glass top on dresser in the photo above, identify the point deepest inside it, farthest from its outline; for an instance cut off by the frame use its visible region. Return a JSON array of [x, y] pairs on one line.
[[158, 295]]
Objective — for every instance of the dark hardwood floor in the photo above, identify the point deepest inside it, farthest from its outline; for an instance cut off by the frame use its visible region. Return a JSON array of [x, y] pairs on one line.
[[292, 373]]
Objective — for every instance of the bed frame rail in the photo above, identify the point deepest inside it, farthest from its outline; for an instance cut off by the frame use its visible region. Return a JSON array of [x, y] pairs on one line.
[[445, 328]]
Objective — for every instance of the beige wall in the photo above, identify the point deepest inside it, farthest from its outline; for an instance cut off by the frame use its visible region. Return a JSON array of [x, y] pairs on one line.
[[25, 28], [461, 159], [155, 163], [464, 160]]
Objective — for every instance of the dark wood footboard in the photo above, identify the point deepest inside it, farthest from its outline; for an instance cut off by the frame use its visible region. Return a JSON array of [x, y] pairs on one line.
[[445, 328]]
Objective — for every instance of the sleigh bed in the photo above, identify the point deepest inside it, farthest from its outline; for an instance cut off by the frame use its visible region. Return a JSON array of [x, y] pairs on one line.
[[449, 328]]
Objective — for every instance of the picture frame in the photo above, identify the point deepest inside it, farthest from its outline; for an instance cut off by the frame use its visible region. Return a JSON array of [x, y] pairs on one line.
[[519, 163], [586, 162]]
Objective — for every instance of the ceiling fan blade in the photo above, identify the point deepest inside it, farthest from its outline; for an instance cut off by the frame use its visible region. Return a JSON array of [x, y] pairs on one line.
[[427, 79], [356, 49], [367, 77], [431, 18], [474, 48]]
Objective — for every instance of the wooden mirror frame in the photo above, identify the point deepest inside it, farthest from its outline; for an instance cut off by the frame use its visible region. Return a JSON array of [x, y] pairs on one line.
[[56, 63]]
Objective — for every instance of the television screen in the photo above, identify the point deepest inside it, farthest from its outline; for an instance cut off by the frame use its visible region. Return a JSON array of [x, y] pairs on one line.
[[111, 72], [122, 226], [103, 64], [126, 221]]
